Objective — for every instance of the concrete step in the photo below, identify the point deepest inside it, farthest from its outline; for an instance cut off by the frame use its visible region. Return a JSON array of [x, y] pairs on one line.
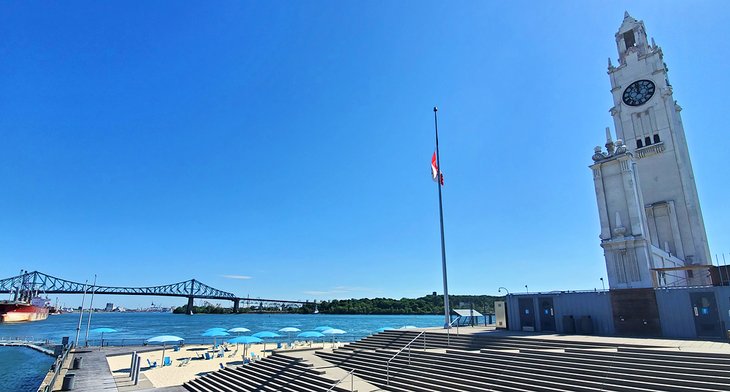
[[598, 367], [632, 363], [448, 380], [608, 374]]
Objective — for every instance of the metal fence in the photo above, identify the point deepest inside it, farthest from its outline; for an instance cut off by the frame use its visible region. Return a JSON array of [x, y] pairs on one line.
[[56, 368]]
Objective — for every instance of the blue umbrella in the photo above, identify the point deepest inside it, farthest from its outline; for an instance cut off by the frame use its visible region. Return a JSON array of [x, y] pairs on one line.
[[164, 339], [215, 329], [246, 340], [322, 328], [312, 334], [333, 332], [266, 334], [290, 329], [239, 330], [102, 331], [214, 334]]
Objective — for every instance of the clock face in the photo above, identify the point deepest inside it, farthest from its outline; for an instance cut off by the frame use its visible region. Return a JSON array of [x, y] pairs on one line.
[[638, 92]]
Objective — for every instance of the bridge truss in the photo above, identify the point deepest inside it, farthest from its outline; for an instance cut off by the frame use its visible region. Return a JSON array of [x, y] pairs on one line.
[[46, 284], [43, 283]]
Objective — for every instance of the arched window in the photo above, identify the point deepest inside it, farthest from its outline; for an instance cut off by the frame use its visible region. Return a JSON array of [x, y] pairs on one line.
[[656, 138], [639, 144], [647, 141]]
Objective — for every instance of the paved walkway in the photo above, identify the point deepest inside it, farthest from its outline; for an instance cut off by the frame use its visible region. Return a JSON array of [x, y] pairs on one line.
[[94, 374], [333, 372]]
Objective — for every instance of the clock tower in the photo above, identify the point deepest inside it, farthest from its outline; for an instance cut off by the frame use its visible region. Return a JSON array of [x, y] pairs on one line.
[[652, 230]]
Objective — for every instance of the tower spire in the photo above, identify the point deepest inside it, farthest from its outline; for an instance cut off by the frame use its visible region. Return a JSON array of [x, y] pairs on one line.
[[609, 141]]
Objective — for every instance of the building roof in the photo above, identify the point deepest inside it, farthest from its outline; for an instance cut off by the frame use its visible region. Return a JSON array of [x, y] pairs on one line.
[[467, 312]]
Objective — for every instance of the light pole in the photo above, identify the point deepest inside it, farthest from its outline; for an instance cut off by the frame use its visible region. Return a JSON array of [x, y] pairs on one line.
[[603, 285], [527, 290], [499, 290]]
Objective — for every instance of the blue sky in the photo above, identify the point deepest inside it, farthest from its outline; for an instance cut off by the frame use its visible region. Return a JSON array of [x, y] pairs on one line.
[[282, 150]]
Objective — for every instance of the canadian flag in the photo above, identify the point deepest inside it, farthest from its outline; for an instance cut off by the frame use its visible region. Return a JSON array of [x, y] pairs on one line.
[[435, 169]]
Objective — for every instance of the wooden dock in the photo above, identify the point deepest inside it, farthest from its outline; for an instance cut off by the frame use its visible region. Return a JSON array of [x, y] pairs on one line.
[[94, 374]]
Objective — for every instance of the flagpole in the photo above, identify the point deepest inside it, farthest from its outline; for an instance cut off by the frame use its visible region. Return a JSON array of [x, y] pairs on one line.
[[447, 310], [81, 316], [91, 307]]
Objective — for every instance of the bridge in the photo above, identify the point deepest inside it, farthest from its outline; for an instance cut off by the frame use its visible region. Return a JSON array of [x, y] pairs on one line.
[[43, 283]]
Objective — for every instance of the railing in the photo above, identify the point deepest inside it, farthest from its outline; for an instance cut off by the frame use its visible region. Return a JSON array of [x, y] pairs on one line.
[[351, 373], [408, 346], [57, 365], [650, 150], [28, 339], [448, 331]]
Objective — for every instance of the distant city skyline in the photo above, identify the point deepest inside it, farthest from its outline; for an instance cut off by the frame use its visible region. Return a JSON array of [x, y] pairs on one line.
[[283, 150]]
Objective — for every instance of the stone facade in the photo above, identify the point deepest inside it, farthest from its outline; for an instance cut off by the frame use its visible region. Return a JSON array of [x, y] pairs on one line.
[[647, 198]]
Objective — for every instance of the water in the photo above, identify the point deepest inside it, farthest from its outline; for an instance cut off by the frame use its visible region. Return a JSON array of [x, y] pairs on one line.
[[23, 369], [134, 328]]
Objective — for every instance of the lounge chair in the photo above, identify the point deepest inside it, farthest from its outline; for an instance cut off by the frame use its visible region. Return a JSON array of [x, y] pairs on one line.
[[176, 348], [151, 364], [184, 362], [233, 354], [167, 361], [221, 365], [208, 356]]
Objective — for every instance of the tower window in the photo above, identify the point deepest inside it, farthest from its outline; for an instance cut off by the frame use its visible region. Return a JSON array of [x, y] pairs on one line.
[[629, 39], [639, 144], [656, 138], [647, 141]]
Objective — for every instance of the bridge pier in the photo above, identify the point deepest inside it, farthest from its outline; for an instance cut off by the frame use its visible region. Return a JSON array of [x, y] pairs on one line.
[[190, 306], [236, 303]]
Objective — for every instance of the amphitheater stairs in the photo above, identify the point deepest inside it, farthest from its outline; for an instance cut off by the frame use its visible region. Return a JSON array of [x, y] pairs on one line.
[[478, 363], [277, 372], [481, 362]]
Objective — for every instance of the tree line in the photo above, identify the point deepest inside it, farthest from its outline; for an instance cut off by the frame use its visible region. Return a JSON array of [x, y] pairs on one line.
[[429, 304]]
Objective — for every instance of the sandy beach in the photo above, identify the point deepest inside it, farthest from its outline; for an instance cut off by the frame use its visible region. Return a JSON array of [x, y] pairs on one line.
[[189, 362]]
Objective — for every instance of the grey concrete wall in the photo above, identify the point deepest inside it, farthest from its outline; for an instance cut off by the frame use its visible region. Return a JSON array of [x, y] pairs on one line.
[[577, 304], [675, 310], [675, 313]]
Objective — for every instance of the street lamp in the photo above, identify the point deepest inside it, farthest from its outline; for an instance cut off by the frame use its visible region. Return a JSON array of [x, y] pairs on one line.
[[499, 290], [603, 285], [527, 290]]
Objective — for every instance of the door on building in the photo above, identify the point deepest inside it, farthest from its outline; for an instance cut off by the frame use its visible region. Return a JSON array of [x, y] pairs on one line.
[[527, 314], [547, 314], [707, 318]]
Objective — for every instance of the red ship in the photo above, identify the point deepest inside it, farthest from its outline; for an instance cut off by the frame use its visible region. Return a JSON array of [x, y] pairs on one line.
[[26, 304], [19, 311]]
